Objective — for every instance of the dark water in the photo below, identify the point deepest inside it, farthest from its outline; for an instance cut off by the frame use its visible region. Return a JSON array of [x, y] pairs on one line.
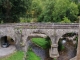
[[43, 54], [69, 51]]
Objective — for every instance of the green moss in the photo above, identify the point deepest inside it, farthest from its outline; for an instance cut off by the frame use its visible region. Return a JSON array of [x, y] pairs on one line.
[[31, 55], [41, 42]]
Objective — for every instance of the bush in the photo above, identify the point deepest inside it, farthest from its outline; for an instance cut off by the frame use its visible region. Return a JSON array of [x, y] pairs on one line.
[[65, 20]]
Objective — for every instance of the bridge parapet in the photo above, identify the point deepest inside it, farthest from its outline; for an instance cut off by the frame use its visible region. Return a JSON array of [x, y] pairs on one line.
[[42, 25]]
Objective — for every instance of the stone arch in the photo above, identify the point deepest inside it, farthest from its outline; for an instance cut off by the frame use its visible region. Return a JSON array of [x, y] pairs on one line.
[[9, 44], [42, 31], [6, 41], [64, 37], [39, 32], [11, 36], [61, 32]]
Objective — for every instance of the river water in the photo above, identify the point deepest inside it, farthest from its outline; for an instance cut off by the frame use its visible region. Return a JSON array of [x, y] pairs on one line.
[[43, 54], [66, 54], [69, 51]]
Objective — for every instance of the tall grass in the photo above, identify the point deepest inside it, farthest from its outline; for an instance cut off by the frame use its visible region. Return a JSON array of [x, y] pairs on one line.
[[31, 55]]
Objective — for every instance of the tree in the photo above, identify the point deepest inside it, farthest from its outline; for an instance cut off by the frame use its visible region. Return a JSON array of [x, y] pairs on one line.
[[60, 9], [46, 15], [56, 10], [12, 10], [65, 20], [76, 1], [36, 8], [72, 12], [79, 8]]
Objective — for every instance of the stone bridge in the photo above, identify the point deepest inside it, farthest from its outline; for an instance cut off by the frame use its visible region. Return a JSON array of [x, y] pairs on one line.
[[20, 32]]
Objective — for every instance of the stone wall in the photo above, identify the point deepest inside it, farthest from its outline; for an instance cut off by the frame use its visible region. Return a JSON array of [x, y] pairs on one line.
[[20, 33]]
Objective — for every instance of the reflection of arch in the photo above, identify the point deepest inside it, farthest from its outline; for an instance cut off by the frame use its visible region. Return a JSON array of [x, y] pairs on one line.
[[69, 37]]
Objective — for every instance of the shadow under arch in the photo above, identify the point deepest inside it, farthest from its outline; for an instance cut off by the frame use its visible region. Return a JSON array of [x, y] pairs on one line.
[[67, 46], [7, 46], [38, 34], [6, 41]]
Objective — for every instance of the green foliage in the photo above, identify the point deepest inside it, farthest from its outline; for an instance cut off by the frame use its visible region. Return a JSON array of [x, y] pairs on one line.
[[60, 9], [31, 55], [55, 10], [46, 15], [39, 11], [35, 9], [16, 56], [72, 12], [54, 59], [79, 8], [1, 22], [41, 42], [76, 39], [12, 10], [76, 1], [23, 20], [65, 20], [61, 46]]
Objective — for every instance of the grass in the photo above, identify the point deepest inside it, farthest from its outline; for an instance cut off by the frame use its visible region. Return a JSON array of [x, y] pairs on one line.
[[18, 55], [32, 56], [41, 42], [54, 59]]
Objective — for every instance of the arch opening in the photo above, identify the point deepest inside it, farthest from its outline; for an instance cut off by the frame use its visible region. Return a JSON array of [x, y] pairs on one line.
[[67, 46], [7, 41], [7, 46], [39, 46]]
